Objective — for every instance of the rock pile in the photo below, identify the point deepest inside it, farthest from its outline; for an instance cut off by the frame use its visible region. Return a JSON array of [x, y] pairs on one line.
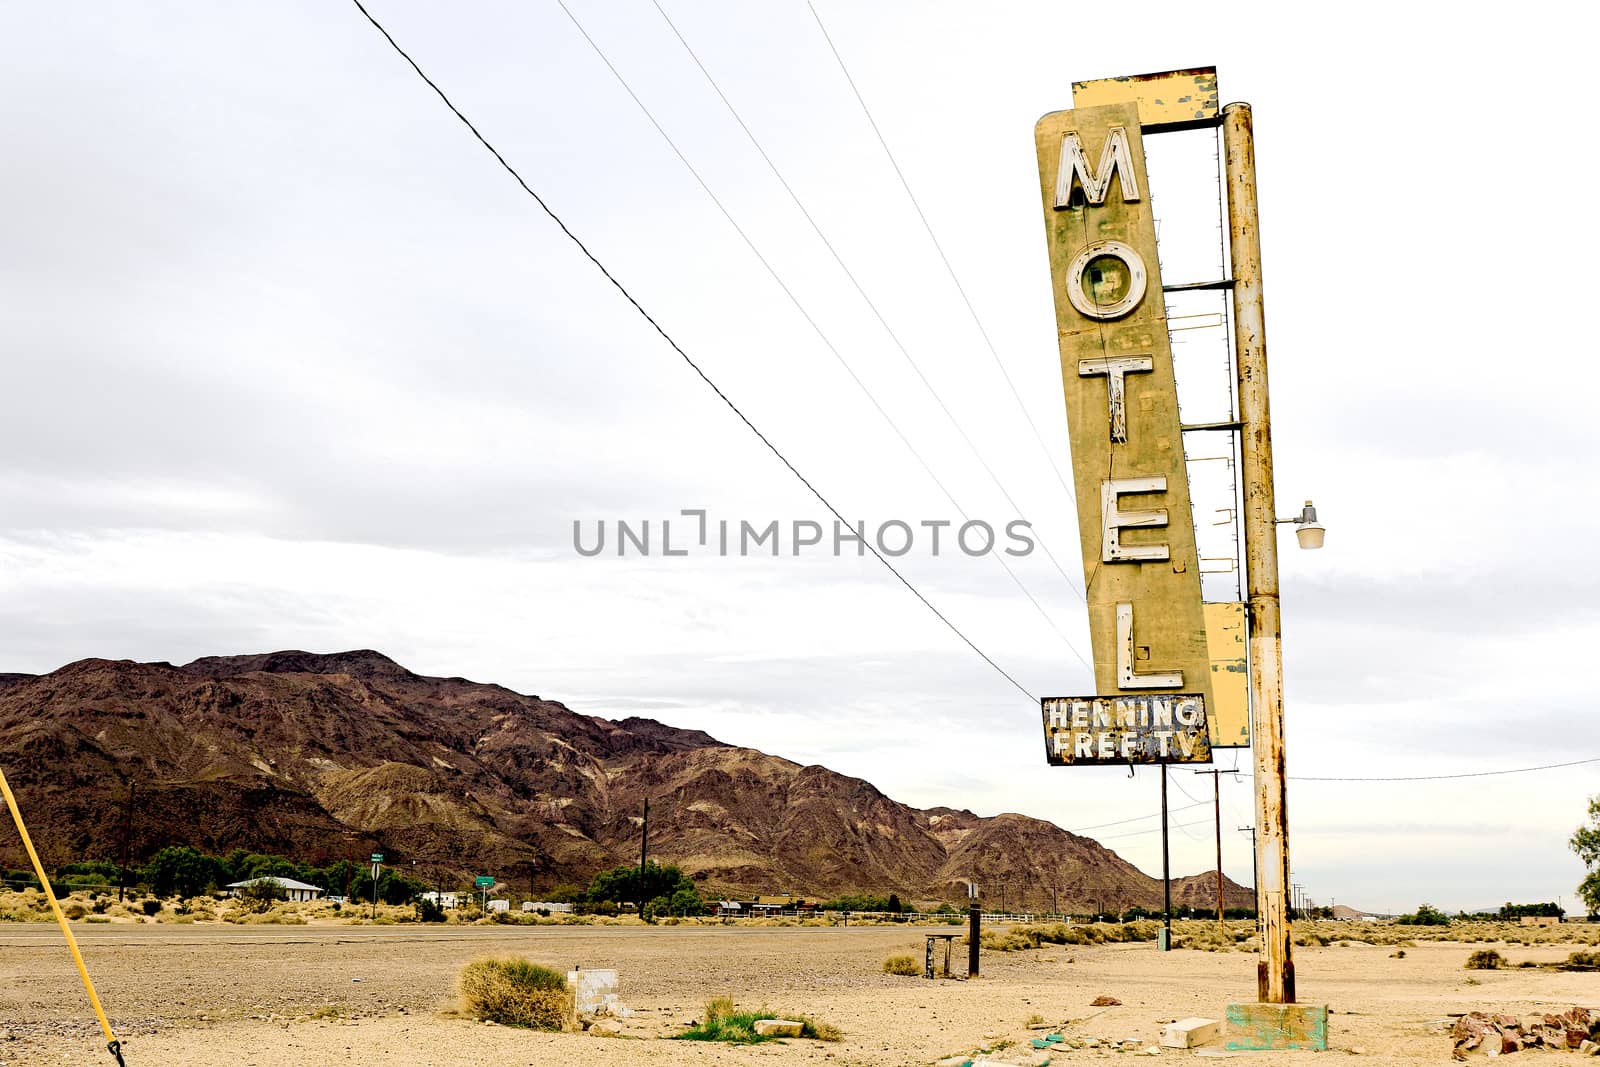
[[1497, 1035]]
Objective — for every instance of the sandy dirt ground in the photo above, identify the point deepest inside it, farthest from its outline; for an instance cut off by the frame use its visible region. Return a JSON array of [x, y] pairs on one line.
[[186, 996]]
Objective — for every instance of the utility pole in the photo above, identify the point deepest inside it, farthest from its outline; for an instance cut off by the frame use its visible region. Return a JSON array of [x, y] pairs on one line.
[[127, 834], [1166, 870], [1216, 805], [1255, 869], [1275, 972], [644, 849]]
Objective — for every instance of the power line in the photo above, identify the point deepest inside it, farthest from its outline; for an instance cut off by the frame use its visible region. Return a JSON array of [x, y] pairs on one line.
[[1444, 777], [1156, 830], [861, 290], [1136, 818], [509, 169], [816, 328], [943, 258]]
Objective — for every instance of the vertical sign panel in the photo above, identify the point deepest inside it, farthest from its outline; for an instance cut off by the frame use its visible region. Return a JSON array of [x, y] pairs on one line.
[[1141, 574]]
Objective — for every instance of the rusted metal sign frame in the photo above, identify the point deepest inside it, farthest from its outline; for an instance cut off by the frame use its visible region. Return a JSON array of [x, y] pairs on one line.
[[1126, 729]]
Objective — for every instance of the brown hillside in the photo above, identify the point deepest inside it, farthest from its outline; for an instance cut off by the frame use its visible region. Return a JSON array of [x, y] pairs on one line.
[[324, 756]]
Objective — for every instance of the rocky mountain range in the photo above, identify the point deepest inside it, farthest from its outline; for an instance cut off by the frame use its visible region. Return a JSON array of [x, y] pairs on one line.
[[329, 756]]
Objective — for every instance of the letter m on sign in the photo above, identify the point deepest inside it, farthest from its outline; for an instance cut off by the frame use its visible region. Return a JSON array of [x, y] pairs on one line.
[[1074, 169]]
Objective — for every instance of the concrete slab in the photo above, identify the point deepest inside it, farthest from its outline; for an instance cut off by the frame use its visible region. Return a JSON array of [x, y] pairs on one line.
[[1261, 1027]]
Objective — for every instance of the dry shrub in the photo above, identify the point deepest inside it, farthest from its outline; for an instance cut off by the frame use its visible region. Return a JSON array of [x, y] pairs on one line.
[[902, 965], [74, 910], [515, 992], [1485, 959], [1581, 961]]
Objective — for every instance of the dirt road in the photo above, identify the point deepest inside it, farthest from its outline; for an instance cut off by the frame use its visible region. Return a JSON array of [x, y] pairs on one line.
[[185, 996]]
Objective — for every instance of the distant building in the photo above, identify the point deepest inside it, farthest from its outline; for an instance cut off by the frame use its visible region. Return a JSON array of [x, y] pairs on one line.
[[546, 905], [1539, 920], [444, 900], [292, 889], [497, 905], [730, 909]]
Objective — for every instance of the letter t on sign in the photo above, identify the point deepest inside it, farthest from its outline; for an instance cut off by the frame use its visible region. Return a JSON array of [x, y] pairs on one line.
[[1116, 369]]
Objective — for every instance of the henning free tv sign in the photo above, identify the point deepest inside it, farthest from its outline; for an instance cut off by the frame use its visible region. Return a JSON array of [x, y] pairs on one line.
[[1152, 728]]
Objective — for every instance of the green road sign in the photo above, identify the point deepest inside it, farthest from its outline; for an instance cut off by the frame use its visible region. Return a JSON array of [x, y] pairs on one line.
[[377, 857], [483, 881]]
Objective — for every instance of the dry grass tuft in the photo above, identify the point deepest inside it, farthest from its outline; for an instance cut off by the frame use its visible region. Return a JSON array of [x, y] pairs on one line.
[[515, 992], [902, 965]]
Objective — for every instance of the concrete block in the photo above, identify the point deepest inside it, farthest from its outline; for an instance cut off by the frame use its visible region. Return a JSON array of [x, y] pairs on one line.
[[591, 988], [1187, 1033], [776, 1028], [1262, 1027]]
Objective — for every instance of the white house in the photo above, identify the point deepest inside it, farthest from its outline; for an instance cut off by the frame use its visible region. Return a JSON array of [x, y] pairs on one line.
[[292, 889], [444, 900], [546, 905]]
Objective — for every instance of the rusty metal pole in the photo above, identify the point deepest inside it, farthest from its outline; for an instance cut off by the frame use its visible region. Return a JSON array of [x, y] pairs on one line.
[[1275, 971]]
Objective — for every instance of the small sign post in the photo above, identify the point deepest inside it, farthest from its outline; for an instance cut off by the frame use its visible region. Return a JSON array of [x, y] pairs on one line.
[[377, 863], [484, 882]]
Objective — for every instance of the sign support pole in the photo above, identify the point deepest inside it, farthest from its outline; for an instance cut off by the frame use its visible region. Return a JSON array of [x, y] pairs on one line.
[[1166, 869], [1275, 971]]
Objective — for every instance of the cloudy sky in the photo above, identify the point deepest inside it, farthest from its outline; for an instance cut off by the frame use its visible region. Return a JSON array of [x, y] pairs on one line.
[[292, 363]]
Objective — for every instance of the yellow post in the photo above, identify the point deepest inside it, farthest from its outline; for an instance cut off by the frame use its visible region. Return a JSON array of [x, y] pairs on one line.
[[72, 943]]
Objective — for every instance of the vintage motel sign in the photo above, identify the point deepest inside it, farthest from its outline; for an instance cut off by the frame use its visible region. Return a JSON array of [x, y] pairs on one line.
[[1141, 570]]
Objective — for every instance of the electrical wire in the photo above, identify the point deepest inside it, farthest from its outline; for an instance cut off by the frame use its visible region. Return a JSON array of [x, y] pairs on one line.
[[509, 169], [871, 305], [1136, 818], [817, 329], [939, 248], [1156, 830], [1445, 777]]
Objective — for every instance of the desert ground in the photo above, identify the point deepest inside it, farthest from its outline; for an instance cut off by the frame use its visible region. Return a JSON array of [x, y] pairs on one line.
[[264, 996]]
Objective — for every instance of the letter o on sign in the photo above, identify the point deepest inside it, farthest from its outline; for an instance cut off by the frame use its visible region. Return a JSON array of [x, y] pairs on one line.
[[1106, 280]]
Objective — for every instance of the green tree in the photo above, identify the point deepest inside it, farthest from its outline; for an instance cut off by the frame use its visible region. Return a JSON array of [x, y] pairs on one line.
[[1586, 843], [179, 870], [1425, 915], [396, 888], [623, 884]]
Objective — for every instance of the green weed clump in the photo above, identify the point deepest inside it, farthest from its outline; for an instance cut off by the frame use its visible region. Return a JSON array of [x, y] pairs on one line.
[[723, 1022], [515, 992], [902, 965]]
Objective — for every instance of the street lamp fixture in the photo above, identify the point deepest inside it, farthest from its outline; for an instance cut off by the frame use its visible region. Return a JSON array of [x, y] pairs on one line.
[[1308, 531]]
